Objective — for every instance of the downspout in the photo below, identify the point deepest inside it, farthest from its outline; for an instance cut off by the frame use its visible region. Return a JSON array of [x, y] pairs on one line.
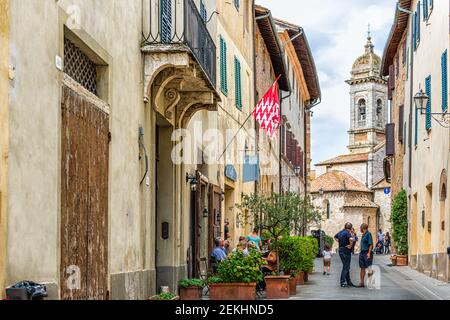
[[255, 93]]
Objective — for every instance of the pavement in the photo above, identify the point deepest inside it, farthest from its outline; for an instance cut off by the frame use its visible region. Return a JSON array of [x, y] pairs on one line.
[[392, 283]]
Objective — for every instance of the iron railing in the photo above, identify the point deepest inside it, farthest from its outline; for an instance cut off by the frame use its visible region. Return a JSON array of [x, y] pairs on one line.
[[179, 22]]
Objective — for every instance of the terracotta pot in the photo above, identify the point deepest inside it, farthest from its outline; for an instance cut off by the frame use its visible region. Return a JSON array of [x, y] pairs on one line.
[[191, 293], [277, 287], [402, 261], [292, 286], [232, 291], [394, 260], [305, 276], [300, 279]]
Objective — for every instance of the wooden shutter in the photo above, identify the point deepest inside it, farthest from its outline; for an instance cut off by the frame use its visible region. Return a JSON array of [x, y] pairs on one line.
[[390, 139], [425, 10], [428, 108], [418, 23], [223, 67], [390, 81], [444, 71], [401, 115], [238, 83], [203, 11]]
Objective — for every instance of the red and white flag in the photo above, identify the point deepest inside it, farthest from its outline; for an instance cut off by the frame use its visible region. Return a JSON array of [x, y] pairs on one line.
[[267, 112]]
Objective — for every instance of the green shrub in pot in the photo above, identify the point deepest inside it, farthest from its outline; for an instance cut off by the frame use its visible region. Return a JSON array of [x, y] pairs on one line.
[[241, 268], [189, 283]]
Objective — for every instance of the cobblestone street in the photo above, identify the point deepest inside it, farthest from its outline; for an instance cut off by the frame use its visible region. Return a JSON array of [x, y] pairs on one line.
[[396, 283]]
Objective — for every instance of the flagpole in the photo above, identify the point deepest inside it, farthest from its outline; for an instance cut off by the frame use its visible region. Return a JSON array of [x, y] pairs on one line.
[[242, 126]]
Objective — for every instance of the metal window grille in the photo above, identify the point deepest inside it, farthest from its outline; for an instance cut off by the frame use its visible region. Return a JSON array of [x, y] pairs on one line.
[[79, 67]]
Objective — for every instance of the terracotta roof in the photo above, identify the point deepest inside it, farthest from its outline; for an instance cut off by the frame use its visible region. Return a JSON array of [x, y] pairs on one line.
[[346, 158], [269, 33], [360, 202], [398, 28], [381, 184], [304, 54], [335, 181]]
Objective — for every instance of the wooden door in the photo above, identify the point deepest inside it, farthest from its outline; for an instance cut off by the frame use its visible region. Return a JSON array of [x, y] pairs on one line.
[[215, 215], [84, 197]]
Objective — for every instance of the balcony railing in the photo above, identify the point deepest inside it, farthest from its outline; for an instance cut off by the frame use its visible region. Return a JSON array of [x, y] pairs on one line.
[[170, 22]]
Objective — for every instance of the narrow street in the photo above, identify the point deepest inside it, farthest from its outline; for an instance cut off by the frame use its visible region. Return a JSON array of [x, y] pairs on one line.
[[396, 283]]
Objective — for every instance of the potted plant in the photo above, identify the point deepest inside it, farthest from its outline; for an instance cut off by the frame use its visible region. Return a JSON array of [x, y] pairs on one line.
[[191, 289], [291, 257], [165, 296], [399, 216], [276, 216], [237, 277]]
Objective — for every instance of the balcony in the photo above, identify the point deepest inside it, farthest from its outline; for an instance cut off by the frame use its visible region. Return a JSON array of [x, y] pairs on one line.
[[171, 25]]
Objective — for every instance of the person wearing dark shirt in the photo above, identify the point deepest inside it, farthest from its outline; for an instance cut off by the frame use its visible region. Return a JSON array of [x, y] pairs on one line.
[[366, 253], [345, 240]]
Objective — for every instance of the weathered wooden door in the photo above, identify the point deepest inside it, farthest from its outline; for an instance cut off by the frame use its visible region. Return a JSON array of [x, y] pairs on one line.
[[84, 198], [215, 216]]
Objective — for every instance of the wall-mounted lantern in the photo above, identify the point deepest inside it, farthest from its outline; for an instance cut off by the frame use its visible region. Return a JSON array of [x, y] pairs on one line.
[[193, 181], [421, 101]]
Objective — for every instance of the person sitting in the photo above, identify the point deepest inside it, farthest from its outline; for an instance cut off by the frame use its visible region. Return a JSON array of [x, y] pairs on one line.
[[218, 254], [242, 246]]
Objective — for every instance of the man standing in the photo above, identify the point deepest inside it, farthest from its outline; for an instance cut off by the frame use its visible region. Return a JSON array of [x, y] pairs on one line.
[[345, 240], [366, 253]]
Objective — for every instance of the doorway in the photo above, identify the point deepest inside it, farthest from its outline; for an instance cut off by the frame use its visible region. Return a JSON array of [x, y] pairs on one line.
[[84, 198]]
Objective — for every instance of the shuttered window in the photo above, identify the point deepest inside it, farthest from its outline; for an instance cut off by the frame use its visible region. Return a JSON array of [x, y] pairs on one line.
[[203, 11], [223, 67], [444, 71], [390, 139], [166, 21], [401, 115], [238, 82], [425, 10], [390, 81], [428, 107], [418, 23], [237, 4]]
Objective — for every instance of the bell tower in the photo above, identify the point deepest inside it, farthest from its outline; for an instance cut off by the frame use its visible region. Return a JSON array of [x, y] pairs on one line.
[[368, 102]]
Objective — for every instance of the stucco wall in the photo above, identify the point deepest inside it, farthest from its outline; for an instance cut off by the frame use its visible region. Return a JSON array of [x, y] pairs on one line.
[[35, 120], [432, 148], [384, 201], [4, 132]]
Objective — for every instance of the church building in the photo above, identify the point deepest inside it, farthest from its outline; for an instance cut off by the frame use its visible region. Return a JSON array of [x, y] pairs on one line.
[[352, 187]]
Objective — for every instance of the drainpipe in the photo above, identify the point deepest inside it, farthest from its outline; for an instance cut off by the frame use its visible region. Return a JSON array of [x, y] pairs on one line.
[[255, 93]]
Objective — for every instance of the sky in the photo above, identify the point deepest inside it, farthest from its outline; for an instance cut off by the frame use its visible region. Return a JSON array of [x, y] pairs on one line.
[[337, 32]]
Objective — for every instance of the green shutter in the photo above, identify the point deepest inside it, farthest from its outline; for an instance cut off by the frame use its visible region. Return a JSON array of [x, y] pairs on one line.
[[418, 23], [238, 82], [428, 107], [444, 71], [425, 10], [223, 67]]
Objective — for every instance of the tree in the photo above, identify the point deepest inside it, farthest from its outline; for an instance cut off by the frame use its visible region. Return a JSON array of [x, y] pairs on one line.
[[399, 216], [278, 214]]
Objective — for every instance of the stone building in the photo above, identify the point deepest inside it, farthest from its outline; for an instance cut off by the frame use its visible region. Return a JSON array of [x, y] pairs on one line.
[[270, 63], [421, 30], [296, 107], [364, 165]]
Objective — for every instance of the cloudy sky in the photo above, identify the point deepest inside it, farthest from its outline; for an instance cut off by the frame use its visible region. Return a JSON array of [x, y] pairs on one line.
[[337, 32]]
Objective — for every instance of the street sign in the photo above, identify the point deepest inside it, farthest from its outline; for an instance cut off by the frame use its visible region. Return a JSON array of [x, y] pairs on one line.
[[387, 191]]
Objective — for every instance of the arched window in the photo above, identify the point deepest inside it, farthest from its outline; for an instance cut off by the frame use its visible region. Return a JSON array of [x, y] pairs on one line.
[[327, 208], [443, 186], [362, 110], [379, 111]]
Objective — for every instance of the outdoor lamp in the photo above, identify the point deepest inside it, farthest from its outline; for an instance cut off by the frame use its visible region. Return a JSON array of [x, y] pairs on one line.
[[421, 100], [193, 181], [297, 170], [321, 192]]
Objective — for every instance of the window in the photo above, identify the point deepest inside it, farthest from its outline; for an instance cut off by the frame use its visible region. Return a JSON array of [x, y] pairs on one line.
[[428, 108], [418, 24], [425, 10], [328, 208], [362, 111], [237, 4], [203, 11], [223, 67], [238, 82], [80, 67], [444, 81], [401, 115], [379, 112]]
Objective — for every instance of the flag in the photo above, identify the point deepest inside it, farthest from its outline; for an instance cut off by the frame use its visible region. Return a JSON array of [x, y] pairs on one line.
[[267, 112]]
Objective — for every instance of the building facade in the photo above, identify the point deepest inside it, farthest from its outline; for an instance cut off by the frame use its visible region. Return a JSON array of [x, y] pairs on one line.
[[368, 200], [424, 26]]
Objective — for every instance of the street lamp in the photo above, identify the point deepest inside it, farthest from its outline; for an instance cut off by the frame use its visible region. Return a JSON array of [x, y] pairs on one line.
[[421, 101], [321, 192], [297, 170]]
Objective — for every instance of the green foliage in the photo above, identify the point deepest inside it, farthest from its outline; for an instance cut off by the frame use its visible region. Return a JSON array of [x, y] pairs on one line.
[[239, 268], [399, 216], [188, 283], [214, 280], [165, 296], [296, 254], [329, 241]]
